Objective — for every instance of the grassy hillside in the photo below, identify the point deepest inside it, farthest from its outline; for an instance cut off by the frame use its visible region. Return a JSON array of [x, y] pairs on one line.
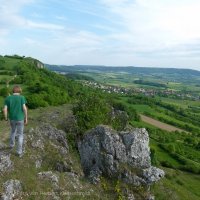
[[48, 94], [40, 86]]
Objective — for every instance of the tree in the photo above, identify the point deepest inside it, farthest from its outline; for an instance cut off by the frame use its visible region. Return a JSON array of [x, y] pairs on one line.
[[4, 92], [91, 110]]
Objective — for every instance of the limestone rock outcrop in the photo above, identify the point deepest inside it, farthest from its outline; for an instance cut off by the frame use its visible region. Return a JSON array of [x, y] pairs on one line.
[[125, 155]]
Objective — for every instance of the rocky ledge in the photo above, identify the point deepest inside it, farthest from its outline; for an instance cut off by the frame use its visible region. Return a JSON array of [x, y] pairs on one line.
[[124, 155]]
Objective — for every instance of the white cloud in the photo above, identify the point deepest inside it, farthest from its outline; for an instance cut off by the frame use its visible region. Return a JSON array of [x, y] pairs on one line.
[[46, 26], [157, 23], [116, 3], [10, 17], [127, 32], [64, 47]]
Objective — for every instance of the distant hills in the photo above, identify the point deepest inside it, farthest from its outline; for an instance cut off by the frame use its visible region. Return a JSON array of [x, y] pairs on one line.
[[128, 69], [129, 74]]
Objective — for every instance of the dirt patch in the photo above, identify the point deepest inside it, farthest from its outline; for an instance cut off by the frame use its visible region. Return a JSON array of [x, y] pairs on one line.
[[159, 124]]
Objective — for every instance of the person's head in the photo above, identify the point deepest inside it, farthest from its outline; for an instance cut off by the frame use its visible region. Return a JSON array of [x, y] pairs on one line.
[[17, 89]]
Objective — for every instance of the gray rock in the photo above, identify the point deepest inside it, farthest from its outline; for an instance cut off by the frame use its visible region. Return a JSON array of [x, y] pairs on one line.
[[63, 167], [2, 146], [62, 150], [153, 174], [131, 197], [129, 178], [94, 176], [124, 154], [46, 133], [5, 162], [49, 175], [37, 143], [53, 134], [38, 163], [72, 180], [12, 190], [137, 147], [150, 197]]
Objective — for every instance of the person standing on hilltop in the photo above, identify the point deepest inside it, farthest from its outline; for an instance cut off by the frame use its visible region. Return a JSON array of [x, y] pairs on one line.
[[16, 111]]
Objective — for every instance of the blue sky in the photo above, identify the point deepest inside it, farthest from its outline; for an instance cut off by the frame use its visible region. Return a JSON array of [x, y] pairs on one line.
[[158, 33]]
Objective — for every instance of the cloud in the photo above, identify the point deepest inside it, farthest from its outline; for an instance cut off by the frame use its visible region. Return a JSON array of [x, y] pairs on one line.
[[11, 18], [156, 23], [113, 32], [47, 26]]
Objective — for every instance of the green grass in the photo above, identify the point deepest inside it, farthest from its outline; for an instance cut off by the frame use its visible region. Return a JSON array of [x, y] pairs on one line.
[[178, 102], [5, 77], [162, 155], [4, 131], [141, 108], [1, 101], [11, 63], [177, 185], [160, 113]]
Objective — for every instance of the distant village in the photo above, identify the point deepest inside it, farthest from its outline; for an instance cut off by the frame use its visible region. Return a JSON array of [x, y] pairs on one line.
[[146, 92]]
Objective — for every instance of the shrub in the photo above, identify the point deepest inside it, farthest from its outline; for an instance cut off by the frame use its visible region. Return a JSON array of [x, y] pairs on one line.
[[119, 120], [4, 92], [165, 163], [91, 110], [35, 101], [154, 160]]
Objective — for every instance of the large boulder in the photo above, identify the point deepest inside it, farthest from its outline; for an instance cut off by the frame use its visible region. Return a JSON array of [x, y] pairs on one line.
[[118, 154]]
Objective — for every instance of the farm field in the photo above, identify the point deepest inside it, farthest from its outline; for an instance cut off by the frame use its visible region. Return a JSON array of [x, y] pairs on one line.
[[159, 124]]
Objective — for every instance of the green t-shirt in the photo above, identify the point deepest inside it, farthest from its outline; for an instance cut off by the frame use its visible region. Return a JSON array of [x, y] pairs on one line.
[[15, 107]]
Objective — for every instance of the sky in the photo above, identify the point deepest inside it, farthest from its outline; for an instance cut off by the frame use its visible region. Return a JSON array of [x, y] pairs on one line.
[[154, 33]]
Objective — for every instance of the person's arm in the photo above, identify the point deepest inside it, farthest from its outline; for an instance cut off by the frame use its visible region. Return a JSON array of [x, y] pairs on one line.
[[26, 114], [5, 112]]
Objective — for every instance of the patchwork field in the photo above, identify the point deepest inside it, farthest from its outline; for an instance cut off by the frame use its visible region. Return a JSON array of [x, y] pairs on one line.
[[159, 124]]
